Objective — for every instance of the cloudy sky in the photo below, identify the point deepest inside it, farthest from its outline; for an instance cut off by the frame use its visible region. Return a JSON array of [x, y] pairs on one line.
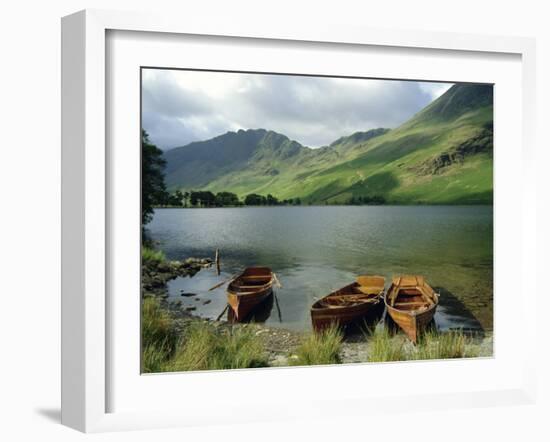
[[184, 106]]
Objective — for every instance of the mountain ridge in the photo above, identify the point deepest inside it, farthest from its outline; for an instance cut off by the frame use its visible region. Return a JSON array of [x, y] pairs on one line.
[[441, 155]]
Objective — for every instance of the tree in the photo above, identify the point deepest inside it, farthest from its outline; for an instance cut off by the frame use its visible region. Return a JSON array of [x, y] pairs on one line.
[[271, 200], [153, 189], [226, 199], [175, 199], [254, 199], [178, 198], [202, 198]]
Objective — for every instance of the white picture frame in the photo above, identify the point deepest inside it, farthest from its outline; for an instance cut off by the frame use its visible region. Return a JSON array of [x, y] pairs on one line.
[[86, 206]]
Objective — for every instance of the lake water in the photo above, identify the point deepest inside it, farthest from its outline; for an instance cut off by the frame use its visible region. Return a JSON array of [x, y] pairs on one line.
[[314, 250]]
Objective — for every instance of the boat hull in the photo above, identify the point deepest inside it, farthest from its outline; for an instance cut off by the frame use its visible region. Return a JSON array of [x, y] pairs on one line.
[[411, 303], [243, 304], [249, 290], [322, 318], [356, 302], [411, 323]]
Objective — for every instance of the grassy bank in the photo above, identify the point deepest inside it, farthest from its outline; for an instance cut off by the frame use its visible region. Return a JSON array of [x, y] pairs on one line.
[[171, 344], [199, 347]]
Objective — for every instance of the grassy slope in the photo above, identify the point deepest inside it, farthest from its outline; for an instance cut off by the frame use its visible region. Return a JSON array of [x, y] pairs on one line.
[[386, 165]]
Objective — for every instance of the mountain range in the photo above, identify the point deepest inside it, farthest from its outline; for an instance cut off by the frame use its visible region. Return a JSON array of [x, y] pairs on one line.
[[442, 155]]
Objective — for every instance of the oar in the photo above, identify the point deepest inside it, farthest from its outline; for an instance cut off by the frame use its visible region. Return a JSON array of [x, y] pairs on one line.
[[221, 314], [278, 308], [223, 282]]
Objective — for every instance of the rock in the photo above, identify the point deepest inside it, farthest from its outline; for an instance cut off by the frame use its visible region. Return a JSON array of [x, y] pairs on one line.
[[208, 301], [190, 309], [188, 295], [164, 267], [279, 361]]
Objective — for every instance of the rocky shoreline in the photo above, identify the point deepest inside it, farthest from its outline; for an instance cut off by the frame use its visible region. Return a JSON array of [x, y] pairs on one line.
[[156, 274], [279, 343]]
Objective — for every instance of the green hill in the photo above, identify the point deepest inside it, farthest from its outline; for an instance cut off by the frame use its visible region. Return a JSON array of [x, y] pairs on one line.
[[442, 155]]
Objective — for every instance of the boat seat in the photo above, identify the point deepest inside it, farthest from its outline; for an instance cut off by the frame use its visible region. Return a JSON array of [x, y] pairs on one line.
[[410, 303]]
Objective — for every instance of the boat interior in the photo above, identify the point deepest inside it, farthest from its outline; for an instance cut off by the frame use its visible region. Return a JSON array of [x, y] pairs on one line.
[[411, 298], [247, 283], [351, 295]]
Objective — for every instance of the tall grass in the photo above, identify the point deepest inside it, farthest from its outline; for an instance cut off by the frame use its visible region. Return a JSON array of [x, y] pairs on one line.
[[384, 347], [205, 348], [432, 345], [158, 335], [149, 255], [320, 348], [448, 345]]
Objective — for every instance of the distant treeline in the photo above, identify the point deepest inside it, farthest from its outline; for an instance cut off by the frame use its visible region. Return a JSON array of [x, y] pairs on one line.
[[371, 200], [206, 198]]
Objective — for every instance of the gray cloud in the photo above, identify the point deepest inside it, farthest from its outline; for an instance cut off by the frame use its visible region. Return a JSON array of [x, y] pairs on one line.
[[179, 107]]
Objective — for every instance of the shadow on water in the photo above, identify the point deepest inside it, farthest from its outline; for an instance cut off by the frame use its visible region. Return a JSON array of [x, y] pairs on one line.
[[452, 314]]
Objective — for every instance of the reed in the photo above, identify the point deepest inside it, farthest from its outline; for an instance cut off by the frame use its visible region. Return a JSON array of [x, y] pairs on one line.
[[320, 348]]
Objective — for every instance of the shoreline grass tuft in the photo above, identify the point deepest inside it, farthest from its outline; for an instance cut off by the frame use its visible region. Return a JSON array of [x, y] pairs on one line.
[[321, 348], [452, 344], [149, 255], [386, 348]]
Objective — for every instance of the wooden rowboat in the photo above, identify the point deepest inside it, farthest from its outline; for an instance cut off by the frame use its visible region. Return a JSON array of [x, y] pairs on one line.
[[411, 303], [350, 304], [249, 289]]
